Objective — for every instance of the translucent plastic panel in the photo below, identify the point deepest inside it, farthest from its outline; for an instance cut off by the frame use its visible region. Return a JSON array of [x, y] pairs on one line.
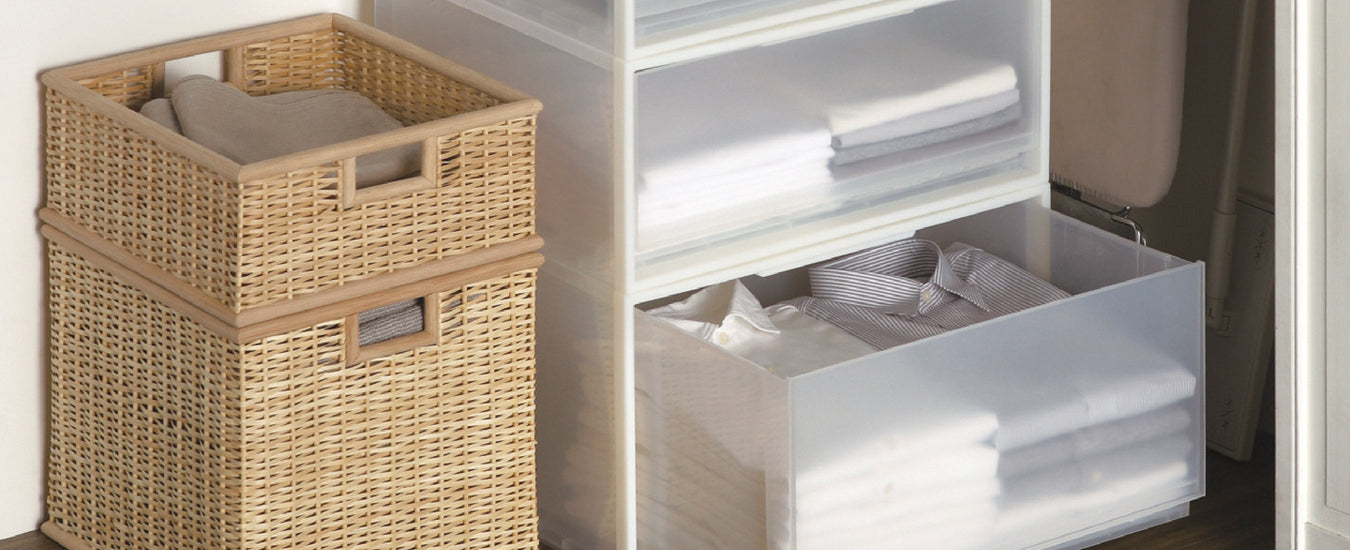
[[574, 396], [574, 181], [1070, 254], [1061, 423], [754, 141], [1095, 403], [573, 25], [706, 423], [690, 21], [661, 25]]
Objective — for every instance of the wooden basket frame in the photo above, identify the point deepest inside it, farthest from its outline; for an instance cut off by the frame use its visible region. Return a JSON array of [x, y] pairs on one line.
[[235, 231]]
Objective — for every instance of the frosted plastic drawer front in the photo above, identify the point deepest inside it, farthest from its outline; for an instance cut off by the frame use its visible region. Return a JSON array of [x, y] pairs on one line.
[[576, 197], [1047, 426], [759, 141], [664, 25]]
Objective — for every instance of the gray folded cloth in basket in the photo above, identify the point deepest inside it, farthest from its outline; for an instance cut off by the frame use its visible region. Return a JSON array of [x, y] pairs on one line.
[[249, 129], [161, 111], [389, 322]]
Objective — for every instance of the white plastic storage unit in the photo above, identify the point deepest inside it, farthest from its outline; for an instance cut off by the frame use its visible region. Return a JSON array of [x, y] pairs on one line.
[[692, 142]]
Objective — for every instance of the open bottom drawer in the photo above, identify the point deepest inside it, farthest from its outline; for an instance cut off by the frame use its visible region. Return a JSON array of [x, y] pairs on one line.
[[1035, 429]]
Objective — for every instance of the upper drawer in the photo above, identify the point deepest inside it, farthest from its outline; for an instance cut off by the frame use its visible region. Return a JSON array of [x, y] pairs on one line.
[[639, 29], [766, 151]]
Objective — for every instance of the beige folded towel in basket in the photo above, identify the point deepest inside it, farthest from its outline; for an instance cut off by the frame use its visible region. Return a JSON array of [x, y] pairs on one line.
[[249, 129]]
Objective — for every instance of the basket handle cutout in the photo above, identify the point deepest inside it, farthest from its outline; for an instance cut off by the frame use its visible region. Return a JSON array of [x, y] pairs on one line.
[[214, 64], [393, 328], [354, 193]]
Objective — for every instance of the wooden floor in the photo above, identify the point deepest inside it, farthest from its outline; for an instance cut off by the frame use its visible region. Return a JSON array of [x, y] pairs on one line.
[[1238, 512]]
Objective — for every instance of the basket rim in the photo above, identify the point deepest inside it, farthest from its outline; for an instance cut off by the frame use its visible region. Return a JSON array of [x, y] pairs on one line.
[[514, 103], [281, 317]]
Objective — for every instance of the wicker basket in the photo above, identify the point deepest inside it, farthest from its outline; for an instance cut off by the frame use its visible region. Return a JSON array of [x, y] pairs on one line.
[[172, 429], [271, 231]]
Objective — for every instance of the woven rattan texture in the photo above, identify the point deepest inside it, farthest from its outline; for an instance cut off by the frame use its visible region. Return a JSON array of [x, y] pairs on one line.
[[142, 196], [295, 238], [166, 436], [145, 420], [251, 243]]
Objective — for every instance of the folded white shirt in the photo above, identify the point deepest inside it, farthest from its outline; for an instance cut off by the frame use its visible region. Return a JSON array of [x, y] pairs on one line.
[[779, 338], [732, 186]]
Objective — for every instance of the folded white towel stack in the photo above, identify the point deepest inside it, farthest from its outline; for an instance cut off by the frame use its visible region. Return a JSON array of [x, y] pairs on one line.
[[940, 96], [920, 465], [1090, 491]]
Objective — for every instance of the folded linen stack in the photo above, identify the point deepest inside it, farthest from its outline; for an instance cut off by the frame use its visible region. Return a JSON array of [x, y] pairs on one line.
[[730, 186], [920, 468], [1095, 440], [1092, 445], [1065, 405], [957, 96], [944, 499], [1092, 490], [717, 154]]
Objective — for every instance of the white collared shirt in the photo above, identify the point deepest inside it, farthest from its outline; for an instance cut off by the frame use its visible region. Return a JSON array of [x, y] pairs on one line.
[[780, 338]]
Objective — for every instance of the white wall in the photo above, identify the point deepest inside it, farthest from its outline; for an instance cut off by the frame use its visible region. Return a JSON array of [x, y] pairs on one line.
[[35, 36]]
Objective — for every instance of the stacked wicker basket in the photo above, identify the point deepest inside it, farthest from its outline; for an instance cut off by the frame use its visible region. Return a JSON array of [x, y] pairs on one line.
[[208, 389]]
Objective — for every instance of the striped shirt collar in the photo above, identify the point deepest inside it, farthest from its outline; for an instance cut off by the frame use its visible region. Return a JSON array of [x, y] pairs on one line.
[[908, 277]]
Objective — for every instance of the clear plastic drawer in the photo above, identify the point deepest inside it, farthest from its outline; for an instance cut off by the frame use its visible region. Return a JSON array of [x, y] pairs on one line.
[[1046, 426], [719, 164], [770, 144], [662, 26]]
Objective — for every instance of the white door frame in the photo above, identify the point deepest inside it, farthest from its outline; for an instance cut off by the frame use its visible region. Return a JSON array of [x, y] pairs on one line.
[[1308, 515]]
